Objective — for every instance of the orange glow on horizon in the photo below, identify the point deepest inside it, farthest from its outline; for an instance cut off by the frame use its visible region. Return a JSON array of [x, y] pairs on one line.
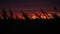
[[43, 17], [58, 14], [50, 15], [33, 16]]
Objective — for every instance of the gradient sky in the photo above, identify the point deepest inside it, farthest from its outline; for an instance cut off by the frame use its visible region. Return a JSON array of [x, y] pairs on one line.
[[29, 4]]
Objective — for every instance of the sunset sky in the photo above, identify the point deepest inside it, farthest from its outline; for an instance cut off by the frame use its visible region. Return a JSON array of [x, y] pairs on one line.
[[29, 5]]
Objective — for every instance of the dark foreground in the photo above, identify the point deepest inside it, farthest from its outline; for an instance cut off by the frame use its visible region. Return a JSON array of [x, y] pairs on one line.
[[37, 25]]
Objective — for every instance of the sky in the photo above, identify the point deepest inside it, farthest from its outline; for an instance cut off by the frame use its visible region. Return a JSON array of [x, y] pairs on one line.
[[16, 5], [28, 5]]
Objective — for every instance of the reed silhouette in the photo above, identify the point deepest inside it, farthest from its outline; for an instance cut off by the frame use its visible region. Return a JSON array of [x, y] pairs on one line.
[[37, 23], [27, 19], [55, 9], [25, 15], [11, 14], [3, 13]]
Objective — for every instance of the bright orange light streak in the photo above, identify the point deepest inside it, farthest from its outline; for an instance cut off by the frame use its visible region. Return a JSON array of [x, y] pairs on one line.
[[34, 17], [50, 16], [43, 17], [58, 14]]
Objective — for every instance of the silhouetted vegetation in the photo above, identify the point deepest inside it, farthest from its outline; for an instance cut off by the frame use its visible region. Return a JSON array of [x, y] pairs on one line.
[[27, 20]]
